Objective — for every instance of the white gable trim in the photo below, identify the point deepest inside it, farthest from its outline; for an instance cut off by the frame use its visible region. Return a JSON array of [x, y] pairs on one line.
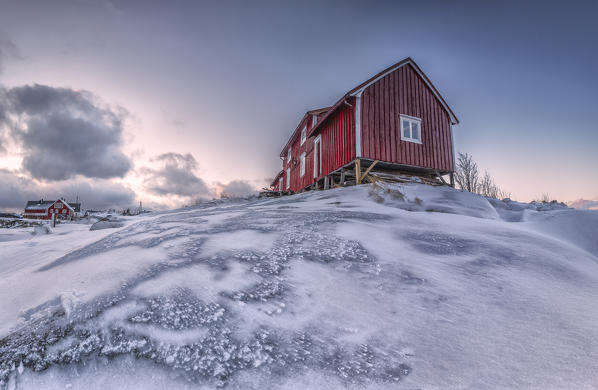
[[358, 124], [64, 203], [423, 77], [453, 147]]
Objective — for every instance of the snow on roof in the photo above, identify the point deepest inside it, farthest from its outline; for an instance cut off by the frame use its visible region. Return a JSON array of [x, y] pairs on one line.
[[45, 204], [39, 204]]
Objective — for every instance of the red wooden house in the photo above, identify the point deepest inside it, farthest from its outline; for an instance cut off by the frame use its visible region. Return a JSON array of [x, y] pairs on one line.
[[396, 121], [44, 209]]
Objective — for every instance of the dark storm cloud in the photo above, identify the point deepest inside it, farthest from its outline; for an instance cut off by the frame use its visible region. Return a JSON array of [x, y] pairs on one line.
[[175, 176], [237, 189], [17, 190], [65, 132]]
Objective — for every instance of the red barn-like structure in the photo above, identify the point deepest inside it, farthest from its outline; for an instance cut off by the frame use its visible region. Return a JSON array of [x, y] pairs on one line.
[[396, 121], [44, 209]]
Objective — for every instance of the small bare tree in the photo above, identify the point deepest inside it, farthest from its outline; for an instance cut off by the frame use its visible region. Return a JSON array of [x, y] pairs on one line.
[[545, 198], [487, 187], [467, 174], [467, 177]]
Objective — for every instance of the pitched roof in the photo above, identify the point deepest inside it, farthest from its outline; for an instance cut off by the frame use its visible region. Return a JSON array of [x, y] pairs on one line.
[[39, 204], [319, 111], [361, 87], [275, 180], [295, 134], [45, 204], [66, 204]]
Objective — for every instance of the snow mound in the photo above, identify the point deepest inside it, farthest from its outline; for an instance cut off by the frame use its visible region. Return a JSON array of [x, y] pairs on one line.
[[433, 199], [43, 229], [402, 286], [106, 224]]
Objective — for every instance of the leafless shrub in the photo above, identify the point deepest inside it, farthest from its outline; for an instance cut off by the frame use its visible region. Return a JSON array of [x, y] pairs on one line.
[[467, 174], [544, 198], [487, 187], [467, 177]]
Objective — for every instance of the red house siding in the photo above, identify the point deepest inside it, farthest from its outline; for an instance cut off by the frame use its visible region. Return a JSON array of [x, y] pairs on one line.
[[59, 208], [299, 182], [338, 138], [402, 89], [404, 92]]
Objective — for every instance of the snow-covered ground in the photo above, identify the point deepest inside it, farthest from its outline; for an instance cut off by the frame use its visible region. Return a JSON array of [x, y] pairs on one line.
[[385, 287]]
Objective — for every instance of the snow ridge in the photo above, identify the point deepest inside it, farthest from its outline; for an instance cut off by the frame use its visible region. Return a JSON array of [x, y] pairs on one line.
[[387, 286]]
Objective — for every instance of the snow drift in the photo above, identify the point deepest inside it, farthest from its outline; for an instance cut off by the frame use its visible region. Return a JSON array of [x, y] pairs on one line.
[[394, 286]]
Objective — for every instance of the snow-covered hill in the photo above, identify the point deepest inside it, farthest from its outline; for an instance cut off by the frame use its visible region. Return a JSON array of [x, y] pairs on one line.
[[392, 287]]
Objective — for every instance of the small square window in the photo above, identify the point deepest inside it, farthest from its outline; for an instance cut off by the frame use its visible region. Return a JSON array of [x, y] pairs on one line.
[[303, 135], [411, 129]]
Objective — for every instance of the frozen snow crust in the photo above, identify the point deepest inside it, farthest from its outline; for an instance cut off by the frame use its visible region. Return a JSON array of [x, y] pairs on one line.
[[394, 286]]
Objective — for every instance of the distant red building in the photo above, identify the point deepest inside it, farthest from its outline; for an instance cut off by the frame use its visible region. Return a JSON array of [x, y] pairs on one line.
[[44, 209], [396, 119]]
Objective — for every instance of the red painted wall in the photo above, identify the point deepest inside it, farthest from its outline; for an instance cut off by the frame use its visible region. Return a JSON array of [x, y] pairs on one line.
[[338, 138], [338, 146], [299, 182], [400, 92], [63, 212], [404, 92]]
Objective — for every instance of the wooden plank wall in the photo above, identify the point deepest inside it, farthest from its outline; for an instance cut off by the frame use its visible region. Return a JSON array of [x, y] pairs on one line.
[[404, 92], [338, 138], [298, 182], [338, 146]]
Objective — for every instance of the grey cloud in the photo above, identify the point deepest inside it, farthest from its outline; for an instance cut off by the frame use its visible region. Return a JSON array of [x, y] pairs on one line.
[[8, 49], [3, 120], [16, 191], [65, 132], [175, 176], [100, 195], [237, 189]]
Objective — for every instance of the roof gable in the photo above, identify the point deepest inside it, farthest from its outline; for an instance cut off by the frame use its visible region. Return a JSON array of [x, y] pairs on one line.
[[358, 90], [295, 134], [45, 204], [39, 204]]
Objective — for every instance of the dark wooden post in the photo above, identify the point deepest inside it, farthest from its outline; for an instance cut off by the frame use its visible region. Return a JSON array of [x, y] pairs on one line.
[[53, 219]]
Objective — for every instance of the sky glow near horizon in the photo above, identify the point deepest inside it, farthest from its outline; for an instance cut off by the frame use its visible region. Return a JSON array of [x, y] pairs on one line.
[[215, 89]]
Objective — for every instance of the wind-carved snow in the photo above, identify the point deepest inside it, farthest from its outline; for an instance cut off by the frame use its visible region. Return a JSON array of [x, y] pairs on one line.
[[397, 286]]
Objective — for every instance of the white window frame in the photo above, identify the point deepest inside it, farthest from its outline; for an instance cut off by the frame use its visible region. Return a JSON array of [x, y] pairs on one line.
[[289, 155], [318, 156], [302, 165], [411, 120], [303, 135], [288, 178], [280, 184]]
